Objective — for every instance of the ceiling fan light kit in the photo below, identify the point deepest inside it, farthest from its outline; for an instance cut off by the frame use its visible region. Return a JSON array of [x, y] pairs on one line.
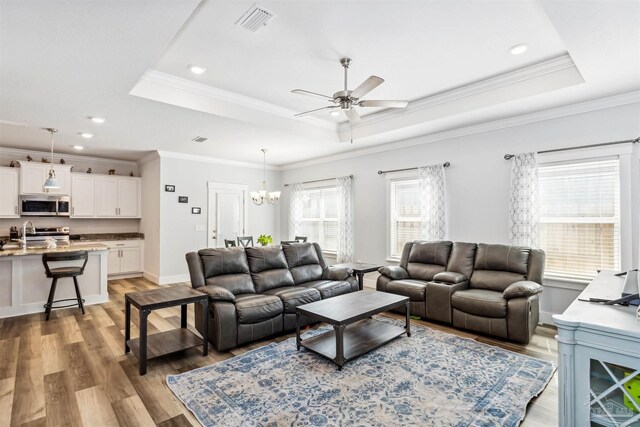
[[346, 100], [259, 197]]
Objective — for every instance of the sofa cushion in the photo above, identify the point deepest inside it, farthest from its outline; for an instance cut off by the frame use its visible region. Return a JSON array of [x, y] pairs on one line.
[[234, 283], [436, 253], [268, 267], [328, 288], [480, 302], [462, 258], [294, 296], [502, 258], [300, 254], [252, 308], [306, 273], [414, 289], [216, 262], [494, 280], [424, 271]]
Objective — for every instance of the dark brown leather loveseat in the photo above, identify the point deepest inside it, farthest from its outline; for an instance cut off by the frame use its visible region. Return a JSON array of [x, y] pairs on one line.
[[487, 288], [253, 292]]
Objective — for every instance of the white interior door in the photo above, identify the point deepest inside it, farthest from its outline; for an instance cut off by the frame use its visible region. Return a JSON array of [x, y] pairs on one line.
[[227, 213]]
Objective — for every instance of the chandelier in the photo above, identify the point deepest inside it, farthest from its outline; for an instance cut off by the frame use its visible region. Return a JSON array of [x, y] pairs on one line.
[[259, 197], [51, 183]]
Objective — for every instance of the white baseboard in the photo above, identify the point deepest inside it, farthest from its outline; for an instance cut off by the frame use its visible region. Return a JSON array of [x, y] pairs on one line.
[[545, 318], [151, 277], [168, 280], [124, 276], [38, 308]]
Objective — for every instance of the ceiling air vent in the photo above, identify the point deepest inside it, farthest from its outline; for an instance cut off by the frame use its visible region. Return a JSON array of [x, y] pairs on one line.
[[255, 18], [199, 139]]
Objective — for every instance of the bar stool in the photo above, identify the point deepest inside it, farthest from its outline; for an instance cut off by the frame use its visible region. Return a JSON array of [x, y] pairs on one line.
[[61, 272]]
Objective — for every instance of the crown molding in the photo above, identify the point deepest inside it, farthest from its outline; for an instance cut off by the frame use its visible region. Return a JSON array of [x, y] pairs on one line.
[[213, 160], [503, 80], [538, 116], [69, 158], [200, 89]]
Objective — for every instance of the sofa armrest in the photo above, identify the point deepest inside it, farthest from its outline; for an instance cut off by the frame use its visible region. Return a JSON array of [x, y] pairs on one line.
[[336, 273], [394, 272], [196, 272], [217, 293], [449, 277], [523, 288]]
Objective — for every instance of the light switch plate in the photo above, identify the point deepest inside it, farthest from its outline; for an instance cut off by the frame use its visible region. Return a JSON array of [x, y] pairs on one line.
[[201, 228]]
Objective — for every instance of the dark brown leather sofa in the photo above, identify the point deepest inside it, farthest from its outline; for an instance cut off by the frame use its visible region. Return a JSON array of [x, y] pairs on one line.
[[253, 292], [487, 288]]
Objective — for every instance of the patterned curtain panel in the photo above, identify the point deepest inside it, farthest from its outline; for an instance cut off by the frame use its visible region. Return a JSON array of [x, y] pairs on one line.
[[295, 209], [345, 220], [433, 202], [523, 201]]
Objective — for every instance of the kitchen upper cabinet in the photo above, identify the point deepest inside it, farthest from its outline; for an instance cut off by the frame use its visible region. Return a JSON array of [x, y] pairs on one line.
[[118, 197], [83, 195], [33, 175], [9, 193]]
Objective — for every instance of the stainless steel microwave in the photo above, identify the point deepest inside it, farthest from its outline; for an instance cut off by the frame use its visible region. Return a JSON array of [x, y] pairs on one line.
[[44, 205]]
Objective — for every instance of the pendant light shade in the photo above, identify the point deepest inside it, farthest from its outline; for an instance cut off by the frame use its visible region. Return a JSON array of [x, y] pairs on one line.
[[51, 183], [259, 197]]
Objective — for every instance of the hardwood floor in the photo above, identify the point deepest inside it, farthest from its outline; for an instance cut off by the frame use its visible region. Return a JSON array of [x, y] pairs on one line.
[[72, 369]]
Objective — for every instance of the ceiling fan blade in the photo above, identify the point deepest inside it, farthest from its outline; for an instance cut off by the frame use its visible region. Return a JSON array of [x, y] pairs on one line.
[[314, 94], [317, 109], [367, 86], [352, 115], [384, 104]]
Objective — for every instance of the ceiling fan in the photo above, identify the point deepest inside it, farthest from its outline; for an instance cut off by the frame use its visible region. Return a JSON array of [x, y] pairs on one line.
[[347, 99]]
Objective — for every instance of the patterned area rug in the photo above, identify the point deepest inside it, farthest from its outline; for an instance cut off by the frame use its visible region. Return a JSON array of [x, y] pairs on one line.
[[432, 378]]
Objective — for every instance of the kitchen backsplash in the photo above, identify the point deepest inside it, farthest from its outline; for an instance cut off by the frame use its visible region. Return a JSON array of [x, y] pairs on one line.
[[76, 225]]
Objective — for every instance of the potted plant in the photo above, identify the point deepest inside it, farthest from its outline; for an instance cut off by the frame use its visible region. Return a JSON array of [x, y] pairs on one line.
[[265, 239]]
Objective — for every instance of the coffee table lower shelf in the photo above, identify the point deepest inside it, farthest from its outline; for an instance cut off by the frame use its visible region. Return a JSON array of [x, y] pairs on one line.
[[168, 342], [358, 338]]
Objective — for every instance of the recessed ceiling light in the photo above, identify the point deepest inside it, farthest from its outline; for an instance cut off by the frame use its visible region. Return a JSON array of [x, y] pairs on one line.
[[86, 135], [196, 69], [97, 119], [78, 147], [518, 49], [335, 113]]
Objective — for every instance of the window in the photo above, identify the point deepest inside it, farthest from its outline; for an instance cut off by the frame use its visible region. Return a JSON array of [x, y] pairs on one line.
[[404, 214], [320, 217], [580, 217]]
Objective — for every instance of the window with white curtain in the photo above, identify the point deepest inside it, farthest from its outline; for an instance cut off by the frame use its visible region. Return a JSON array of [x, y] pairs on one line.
[[404, 214], [320, 217], [580, 217]]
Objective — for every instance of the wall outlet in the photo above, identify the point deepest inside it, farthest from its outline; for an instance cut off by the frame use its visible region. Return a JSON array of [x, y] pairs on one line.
[[201, 228]]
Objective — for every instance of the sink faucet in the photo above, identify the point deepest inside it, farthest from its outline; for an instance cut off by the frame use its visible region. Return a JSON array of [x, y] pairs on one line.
[[32, 230]]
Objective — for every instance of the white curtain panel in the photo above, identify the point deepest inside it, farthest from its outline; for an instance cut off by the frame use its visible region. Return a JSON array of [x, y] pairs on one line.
[[433, 202], [523, 201], [345, 220], [295, 210]]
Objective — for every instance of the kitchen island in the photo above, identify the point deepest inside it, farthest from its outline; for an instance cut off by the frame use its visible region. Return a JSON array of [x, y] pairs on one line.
[[24, 286]]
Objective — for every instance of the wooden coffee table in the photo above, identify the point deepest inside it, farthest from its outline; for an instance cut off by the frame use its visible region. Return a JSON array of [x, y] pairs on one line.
[[164, 342], [354, 331]]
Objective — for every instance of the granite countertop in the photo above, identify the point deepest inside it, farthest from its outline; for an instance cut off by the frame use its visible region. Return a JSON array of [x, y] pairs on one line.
[[105, 237], [91, 247]]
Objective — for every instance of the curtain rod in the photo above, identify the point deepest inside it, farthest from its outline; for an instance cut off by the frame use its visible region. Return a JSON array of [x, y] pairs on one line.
[[555, 150], [445, 164], [320, 180]]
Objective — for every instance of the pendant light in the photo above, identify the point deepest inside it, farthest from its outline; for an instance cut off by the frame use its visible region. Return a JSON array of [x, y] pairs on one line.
[[51, 183], [258, 197]]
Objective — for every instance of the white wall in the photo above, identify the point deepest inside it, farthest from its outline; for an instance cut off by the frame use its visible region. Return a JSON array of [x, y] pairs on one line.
[[178, 233], [477, 182], [150, 222]]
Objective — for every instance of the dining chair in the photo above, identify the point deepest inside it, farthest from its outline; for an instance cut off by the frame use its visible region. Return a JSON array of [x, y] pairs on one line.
[[245, 241], [288, 242], [301, 239], [229, 243]]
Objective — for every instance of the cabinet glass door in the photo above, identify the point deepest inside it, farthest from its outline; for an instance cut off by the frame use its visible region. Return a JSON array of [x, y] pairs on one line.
[[614, 398]]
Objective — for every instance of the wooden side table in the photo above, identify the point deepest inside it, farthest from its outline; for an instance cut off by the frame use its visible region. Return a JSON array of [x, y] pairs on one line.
[[160, 344], [359, 270]]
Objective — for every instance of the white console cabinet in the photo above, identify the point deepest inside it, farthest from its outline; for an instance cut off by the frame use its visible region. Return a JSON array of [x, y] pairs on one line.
[[598, 358], [9, 193]]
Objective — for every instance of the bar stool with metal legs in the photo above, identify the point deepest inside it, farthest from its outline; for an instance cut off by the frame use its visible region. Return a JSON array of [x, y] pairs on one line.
[[61, 272]]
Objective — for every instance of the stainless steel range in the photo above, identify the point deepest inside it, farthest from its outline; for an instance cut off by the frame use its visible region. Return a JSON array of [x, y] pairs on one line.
[[39, 236]]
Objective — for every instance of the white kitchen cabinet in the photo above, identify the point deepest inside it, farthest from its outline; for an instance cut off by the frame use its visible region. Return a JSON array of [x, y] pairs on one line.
[[125, 256], [9, 190], [33, 175], [83, 195], [118, 196]]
